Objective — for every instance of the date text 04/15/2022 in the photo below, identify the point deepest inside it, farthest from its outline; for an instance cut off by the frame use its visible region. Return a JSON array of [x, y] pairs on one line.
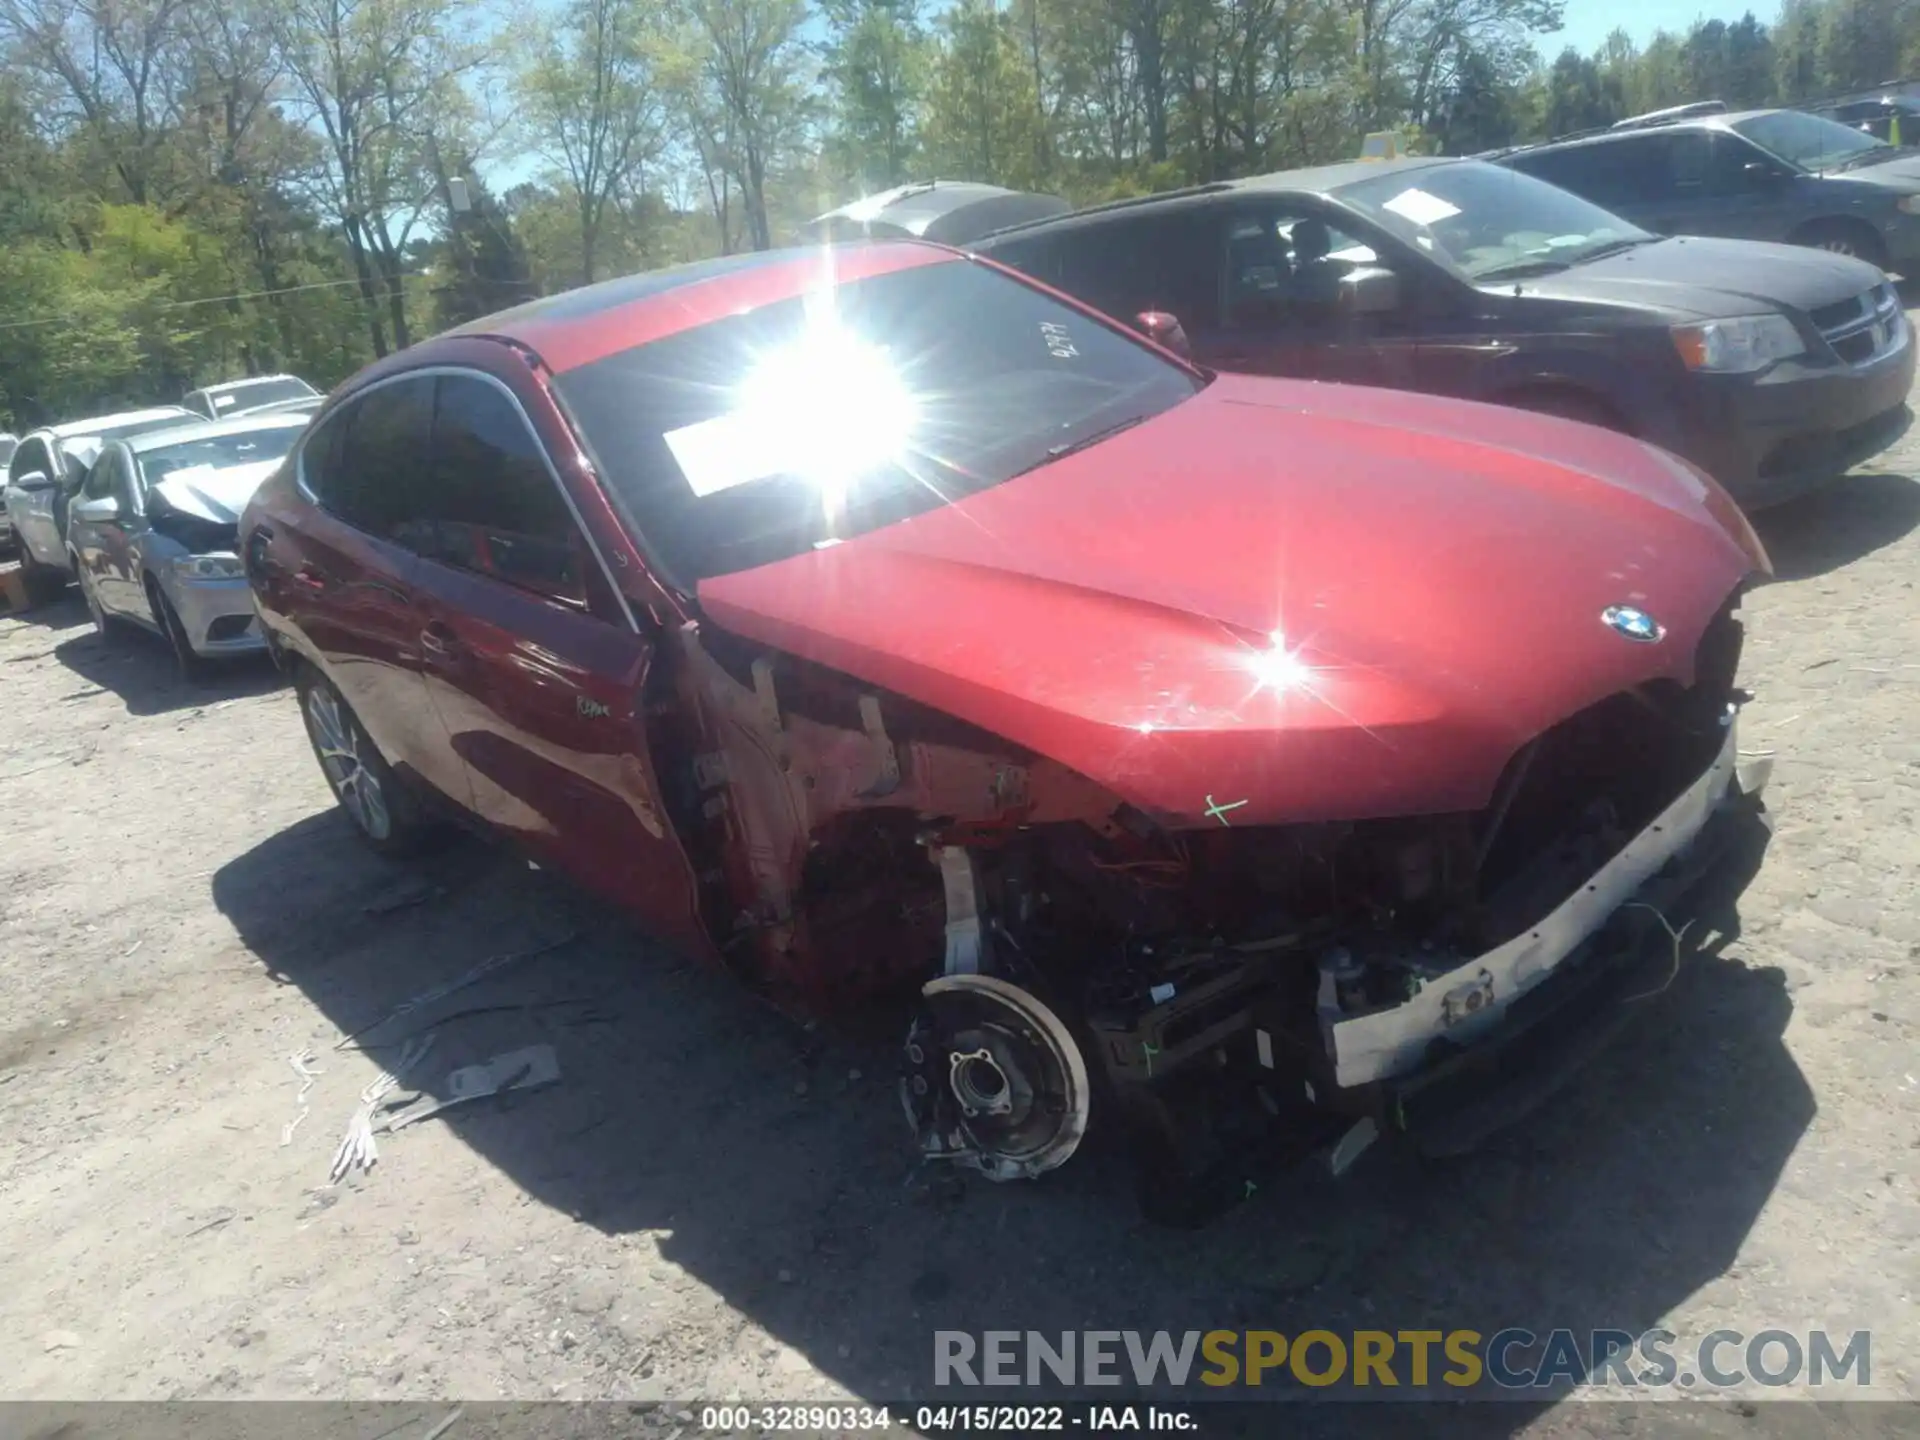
[[931, 1420]]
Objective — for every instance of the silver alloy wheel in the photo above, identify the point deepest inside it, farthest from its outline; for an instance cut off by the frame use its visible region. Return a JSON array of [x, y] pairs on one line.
[[336, 740]]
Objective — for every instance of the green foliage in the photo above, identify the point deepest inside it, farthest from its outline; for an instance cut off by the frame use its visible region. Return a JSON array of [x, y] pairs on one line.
[[191, 191]]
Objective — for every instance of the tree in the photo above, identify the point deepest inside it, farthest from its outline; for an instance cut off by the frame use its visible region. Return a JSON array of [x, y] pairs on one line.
[[110, 59], [479, 263], [745, 94], [1482, 112], [876, 62], [1579, 96], [379, 79], [592, 106], [981, 112]]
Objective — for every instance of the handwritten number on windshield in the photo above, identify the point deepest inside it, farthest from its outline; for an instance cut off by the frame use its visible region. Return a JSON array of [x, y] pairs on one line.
[[1058, 345]]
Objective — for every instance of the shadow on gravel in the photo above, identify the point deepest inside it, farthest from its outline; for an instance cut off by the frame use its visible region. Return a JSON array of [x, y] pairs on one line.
[[1852, 518], [65, 611], [138, 667], [772, 1163]]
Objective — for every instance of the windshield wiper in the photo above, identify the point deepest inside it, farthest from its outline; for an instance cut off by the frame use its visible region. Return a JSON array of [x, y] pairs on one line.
[[1521, 269], [1865, 157], [1612, 247], [1069, 447]]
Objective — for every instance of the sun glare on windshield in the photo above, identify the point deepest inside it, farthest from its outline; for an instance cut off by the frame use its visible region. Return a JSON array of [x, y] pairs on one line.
[[834, 404]]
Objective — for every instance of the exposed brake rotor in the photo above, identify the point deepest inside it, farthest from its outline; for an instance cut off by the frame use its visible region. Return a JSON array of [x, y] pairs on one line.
[[993, 1079]]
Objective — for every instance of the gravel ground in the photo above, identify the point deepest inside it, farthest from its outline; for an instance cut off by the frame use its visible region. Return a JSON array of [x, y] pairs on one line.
[[713, 1203]]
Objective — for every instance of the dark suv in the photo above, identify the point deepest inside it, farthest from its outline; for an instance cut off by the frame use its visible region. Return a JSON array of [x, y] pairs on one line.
[[1772, 368], [1750, 175]]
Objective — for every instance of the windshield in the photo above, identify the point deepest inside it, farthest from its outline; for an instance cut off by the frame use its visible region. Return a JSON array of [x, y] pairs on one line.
[[1486, 220], [218, 452], [250, 393], [127, 429], [1811, 142], [763, 435]]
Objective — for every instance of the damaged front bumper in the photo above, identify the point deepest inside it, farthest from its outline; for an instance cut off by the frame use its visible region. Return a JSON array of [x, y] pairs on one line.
[[1618, 941], [1473, 999]]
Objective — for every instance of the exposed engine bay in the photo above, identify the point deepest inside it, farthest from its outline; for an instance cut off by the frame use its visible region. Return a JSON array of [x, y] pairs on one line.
[[1214, 988]]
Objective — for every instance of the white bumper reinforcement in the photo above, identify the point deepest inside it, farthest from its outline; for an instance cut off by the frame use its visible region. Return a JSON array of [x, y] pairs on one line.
[[1468, 1001]]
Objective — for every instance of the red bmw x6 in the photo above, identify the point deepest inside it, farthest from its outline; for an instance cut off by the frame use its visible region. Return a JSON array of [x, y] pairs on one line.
[[1245, 766]]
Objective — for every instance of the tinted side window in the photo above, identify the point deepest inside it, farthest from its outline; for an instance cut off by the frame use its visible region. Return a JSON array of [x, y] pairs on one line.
[[1035, 255], [376, 451], [1151, 262], [1613, 172], [486, 500]]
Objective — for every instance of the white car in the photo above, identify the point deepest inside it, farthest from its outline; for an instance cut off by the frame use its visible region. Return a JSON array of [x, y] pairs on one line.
[[152, 536], [9, 442], [234, 398], [49, 467]]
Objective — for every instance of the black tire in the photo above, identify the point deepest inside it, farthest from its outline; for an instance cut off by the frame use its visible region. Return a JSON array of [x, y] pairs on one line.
[[190, 664], [384, 812], [1843, 237], [1569, 405]]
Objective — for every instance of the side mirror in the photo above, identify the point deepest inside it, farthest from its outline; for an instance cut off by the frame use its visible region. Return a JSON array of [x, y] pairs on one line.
[[34, 480], [1370, 292], [1165, 330], [101, 511]]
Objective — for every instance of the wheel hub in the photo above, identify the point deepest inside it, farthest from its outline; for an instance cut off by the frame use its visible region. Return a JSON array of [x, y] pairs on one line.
[[994, 1080]]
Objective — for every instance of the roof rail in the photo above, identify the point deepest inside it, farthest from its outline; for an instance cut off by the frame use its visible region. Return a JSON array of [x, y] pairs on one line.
[[1670, 114], [1212, 187], [1904, 89]]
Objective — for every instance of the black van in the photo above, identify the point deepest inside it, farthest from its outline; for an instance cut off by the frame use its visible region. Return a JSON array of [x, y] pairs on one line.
[[1747, 175], [1773, 368]]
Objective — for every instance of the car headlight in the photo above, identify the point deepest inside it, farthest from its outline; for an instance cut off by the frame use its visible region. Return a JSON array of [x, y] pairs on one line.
[[208, 567], [1738, 346]]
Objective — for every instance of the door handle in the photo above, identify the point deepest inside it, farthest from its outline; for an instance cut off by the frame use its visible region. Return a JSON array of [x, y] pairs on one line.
[[310, 578], [439, 641]]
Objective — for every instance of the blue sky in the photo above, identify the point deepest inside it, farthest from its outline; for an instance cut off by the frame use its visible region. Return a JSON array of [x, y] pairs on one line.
[[1589, 22]]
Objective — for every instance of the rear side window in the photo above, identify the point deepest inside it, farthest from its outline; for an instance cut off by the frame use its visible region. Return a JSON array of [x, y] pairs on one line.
[[1151, 262], [486, 501], [31, 456], [1612, 172], [361, 461]]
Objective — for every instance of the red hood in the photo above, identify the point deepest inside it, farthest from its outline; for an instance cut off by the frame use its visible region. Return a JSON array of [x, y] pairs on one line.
[[1436, 569]]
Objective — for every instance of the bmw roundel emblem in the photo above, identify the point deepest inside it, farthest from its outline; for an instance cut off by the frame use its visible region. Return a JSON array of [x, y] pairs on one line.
[[1633, 624]]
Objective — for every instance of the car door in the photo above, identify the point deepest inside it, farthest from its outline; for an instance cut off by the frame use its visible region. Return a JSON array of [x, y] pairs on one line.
[[533, 663], [1709, 182], [1287, 302], [1131, 264], [346, 583], [104, 545], [30, 482], [1625, 174]]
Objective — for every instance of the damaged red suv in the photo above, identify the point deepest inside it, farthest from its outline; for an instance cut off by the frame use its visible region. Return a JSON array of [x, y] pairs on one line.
[[1243, 767]]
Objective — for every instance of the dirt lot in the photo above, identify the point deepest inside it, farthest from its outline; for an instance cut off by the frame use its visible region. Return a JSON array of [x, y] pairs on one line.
[[713, 1203]]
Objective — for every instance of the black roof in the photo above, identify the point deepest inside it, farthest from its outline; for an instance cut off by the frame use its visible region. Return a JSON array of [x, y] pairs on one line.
[[1316, 180], [951, 211], [1710, 120], [607, 294]]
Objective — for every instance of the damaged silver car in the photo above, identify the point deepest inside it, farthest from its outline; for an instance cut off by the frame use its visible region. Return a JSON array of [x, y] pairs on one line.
[[152, 534]]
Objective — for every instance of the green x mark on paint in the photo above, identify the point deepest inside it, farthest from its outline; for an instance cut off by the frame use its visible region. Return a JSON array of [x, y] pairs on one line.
[[1219, 812]]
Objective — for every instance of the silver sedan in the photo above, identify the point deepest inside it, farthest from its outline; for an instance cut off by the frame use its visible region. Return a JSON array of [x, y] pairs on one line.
[[153, 531]]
